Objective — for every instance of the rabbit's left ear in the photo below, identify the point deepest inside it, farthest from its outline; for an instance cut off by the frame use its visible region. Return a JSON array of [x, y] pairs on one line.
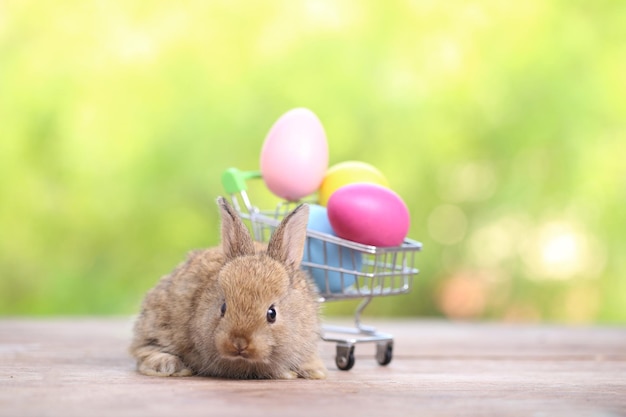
[[287, 242], [236, 239]]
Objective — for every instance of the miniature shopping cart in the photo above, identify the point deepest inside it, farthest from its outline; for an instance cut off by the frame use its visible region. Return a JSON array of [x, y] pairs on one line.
[[344, 270]]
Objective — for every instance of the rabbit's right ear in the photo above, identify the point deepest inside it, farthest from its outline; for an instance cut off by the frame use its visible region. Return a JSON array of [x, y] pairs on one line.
[[236, 239], [287, 242]]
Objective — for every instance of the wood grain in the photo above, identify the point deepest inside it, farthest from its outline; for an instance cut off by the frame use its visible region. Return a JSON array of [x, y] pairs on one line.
[[80, 367]]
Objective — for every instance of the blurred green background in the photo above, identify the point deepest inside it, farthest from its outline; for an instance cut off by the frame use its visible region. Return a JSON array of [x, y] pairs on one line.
[[501, 124]]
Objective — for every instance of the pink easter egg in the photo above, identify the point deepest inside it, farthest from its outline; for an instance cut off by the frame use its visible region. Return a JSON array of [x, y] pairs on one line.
[[294, 157], [369, 214]]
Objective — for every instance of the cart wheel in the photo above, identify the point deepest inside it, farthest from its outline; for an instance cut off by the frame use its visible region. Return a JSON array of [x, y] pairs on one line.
[[345, 357], [384, 352]]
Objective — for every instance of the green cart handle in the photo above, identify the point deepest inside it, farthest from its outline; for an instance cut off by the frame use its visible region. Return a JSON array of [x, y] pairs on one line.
[[234, 180]]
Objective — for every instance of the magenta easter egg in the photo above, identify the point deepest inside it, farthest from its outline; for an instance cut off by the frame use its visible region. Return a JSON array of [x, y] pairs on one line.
[[369, 214], [294, 157]]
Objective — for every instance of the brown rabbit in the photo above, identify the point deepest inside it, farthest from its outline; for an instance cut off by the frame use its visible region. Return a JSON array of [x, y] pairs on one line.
[[241, 310]]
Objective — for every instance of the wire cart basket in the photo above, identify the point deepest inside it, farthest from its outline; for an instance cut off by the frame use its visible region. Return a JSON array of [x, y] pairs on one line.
[[342, 269]]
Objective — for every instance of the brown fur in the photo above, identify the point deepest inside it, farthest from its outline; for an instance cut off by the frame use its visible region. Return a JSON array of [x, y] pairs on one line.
[[181, 331]]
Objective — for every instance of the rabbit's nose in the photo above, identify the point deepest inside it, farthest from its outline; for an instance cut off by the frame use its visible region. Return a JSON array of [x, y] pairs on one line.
[[240, 344]]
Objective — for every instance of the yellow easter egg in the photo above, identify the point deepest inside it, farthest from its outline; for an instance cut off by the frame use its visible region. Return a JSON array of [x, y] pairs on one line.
[[348, 172]]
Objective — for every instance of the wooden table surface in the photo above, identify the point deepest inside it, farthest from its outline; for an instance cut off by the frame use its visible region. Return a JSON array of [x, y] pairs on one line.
[[80, 367]]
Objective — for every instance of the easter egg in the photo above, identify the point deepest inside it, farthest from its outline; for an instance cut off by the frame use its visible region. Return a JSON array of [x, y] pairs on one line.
[[348, 172], [294, 156], [369, 214], [323, 254]]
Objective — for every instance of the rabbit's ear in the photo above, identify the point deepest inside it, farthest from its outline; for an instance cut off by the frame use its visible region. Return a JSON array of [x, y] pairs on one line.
[[236, 239], [287, 242]]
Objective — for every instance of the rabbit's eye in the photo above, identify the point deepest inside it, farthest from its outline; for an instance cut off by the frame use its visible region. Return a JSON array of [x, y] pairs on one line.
[[223, 310], [271, 314]]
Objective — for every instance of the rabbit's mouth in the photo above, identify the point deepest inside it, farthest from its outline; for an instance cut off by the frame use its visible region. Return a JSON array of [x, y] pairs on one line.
[[241, 355], [244, 358]]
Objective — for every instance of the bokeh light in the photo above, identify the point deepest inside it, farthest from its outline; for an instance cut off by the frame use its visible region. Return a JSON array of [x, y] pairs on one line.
[[561, 250], [447, 224]]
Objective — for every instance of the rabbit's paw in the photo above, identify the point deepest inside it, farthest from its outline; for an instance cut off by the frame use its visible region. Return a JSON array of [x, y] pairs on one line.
[[314, 369], [163, 364], [288, 375]]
